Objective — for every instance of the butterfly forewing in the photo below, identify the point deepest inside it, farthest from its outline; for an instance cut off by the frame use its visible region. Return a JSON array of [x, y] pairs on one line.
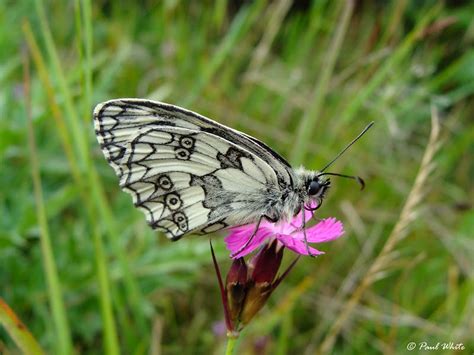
[[186, 172]]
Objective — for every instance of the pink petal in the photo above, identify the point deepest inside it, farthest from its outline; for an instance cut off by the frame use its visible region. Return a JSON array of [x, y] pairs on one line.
[[298, 246], [289, 234], [281, 227], [326, 230], [239, 237], [234, 239]]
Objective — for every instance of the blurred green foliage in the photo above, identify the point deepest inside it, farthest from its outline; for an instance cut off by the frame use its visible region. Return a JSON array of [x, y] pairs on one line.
[[273, 69]]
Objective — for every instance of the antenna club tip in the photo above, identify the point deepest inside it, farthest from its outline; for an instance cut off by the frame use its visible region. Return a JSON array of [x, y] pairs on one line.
[[361, 182]]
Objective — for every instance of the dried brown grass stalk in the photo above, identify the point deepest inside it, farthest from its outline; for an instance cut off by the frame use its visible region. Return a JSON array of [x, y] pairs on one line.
[[407, 215]]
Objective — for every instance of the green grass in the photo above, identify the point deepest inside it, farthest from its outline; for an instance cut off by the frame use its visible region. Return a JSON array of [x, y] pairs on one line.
[[81, 269]]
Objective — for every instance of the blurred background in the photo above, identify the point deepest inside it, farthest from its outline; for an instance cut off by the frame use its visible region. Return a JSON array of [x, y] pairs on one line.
[[80, 267]]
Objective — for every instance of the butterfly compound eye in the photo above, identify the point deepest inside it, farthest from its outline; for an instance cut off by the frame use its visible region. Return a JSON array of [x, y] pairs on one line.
[[314, 187]]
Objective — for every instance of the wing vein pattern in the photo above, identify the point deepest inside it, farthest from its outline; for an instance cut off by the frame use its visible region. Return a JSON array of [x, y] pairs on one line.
[[186, 172]]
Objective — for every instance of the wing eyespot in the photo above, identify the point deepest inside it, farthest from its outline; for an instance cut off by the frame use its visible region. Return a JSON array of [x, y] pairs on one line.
[[182, 154], [173, 201], [165, 182], [187, 142], [181, 221]]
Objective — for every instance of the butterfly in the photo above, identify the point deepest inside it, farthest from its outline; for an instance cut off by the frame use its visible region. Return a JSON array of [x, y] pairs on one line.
[[190, 174]]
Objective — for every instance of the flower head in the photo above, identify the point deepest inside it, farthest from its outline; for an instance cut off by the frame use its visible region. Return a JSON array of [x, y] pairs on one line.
[[249, 284], [289, 234]]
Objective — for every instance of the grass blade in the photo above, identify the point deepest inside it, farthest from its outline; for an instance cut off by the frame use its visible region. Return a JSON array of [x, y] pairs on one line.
[[64, 343], [104, 284], [79, 136], [18, 331]]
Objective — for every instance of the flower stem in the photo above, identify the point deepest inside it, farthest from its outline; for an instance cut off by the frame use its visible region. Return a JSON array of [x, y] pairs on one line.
[[231, 341]]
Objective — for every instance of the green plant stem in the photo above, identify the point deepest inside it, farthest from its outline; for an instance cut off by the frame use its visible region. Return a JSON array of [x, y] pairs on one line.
[[231, 341]]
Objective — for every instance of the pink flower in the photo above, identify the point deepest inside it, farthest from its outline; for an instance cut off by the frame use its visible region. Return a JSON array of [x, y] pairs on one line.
[[290, 235], [249, 284]]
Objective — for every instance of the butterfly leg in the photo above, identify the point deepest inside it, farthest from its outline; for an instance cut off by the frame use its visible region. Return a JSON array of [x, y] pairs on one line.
[[250, 239], [304, 234]]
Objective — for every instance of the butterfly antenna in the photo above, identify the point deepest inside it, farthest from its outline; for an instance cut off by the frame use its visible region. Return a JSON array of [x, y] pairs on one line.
[[359, 180], [347, 147]]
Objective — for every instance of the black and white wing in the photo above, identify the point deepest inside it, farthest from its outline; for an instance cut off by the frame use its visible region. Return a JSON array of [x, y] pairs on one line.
[[187, 172]]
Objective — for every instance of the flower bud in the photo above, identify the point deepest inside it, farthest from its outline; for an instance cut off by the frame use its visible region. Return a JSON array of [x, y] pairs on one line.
[[236, 284], [265, 266], [248, 286], [266, 263]]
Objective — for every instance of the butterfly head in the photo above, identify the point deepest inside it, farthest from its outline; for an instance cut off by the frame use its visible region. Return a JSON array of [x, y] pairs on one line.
[[317, 187], [315, 184], [313, 187]]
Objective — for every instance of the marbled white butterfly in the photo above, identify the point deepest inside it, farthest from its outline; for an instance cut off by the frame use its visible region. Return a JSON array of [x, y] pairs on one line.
[[190, 174]]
